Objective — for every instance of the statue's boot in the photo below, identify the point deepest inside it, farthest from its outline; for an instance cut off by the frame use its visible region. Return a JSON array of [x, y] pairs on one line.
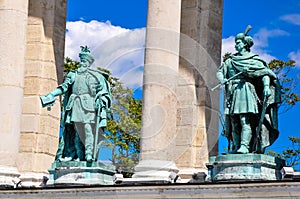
[[89, 152], [89, 158], [243, 149], [245, 139]]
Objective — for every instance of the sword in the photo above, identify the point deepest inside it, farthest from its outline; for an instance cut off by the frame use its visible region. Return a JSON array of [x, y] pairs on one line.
[[225, 133], [261, 120], [97, 132], [234, 76]]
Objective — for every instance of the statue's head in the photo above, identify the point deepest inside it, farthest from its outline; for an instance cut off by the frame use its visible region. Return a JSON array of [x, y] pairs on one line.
[[85, 55], [245, 38]]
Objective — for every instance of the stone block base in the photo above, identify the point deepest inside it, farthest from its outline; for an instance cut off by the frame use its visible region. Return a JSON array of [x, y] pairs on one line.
[[74, 173], [155, 169], [153, 172], [30, 179], [192, 175], [9, 177], [244, 167]]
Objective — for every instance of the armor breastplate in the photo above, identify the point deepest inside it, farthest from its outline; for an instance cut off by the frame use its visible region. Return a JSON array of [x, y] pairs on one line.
[[80, 86]]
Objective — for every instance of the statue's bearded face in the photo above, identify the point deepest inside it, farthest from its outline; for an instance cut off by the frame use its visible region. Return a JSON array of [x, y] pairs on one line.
[[239, 45], [84, 62]]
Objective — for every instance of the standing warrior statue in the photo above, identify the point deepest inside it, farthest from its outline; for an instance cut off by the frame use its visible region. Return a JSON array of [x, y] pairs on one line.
[[252, 94], [87, 98]]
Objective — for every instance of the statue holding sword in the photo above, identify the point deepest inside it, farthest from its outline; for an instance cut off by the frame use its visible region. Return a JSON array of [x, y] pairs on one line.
[[252, 94]]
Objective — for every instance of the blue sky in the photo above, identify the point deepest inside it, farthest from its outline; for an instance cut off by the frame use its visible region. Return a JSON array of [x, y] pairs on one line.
[[115, 31]]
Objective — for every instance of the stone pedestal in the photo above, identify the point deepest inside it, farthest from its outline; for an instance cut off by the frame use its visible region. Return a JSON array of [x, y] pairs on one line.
[[81, 173], [244, 167]]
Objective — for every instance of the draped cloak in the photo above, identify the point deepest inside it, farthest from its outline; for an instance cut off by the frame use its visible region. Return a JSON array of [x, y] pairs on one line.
[[79, 105], [244, 95]]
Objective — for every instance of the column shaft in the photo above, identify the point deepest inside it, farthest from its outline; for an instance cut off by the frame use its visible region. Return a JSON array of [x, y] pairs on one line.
[[160, 80], [43, 71], [13, 22], [198, 107]]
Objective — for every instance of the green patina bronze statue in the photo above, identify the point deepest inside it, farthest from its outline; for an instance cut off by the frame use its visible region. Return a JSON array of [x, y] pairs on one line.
[[252, 94], [87, 98]]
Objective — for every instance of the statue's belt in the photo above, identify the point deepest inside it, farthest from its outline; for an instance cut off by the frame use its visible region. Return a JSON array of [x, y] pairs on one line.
[[239, 81], [79, 94]]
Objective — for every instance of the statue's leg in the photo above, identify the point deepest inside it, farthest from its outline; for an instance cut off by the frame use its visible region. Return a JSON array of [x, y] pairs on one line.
[[246, 133], [69, 142], [89, 142], [236, 135], [79, 141], [59, 152]]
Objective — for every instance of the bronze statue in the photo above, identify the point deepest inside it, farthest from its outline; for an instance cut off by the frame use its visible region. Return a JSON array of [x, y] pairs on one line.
[[87, 98], [252, 94]]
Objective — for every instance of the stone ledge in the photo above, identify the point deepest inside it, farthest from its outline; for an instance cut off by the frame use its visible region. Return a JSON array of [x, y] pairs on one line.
[[279, 189]]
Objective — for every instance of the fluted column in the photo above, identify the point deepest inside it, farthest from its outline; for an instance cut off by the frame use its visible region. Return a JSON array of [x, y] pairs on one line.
[[13, 23], [159, 90]]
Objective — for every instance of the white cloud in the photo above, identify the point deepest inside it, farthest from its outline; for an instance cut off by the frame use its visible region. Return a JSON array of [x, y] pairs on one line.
[[228, 45], [295, 56], [291, 18], [261, 42], [122, 50], [261, 38], [118, 49], [91, 33]]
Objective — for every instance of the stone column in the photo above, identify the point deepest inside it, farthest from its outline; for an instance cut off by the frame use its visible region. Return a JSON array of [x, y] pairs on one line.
[[159, 96], [13, 23], [198, 107], [43, 70]]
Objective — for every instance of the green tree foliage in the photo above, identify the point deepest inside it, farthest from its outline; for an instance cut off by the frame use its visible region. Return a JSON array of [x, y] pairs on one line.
[[123, 128], [289, 99], [124, 122], [70, 65], [291, 154], [288, 84], [226, 56]]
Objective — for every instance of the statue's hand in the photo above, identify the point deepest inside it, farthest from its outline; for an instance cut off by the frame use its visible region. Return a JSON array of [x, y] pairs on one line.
[[98, 102], [49, 95], [267, 92], [223, 81], [99, 87], [245, 69], [48, 100]]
